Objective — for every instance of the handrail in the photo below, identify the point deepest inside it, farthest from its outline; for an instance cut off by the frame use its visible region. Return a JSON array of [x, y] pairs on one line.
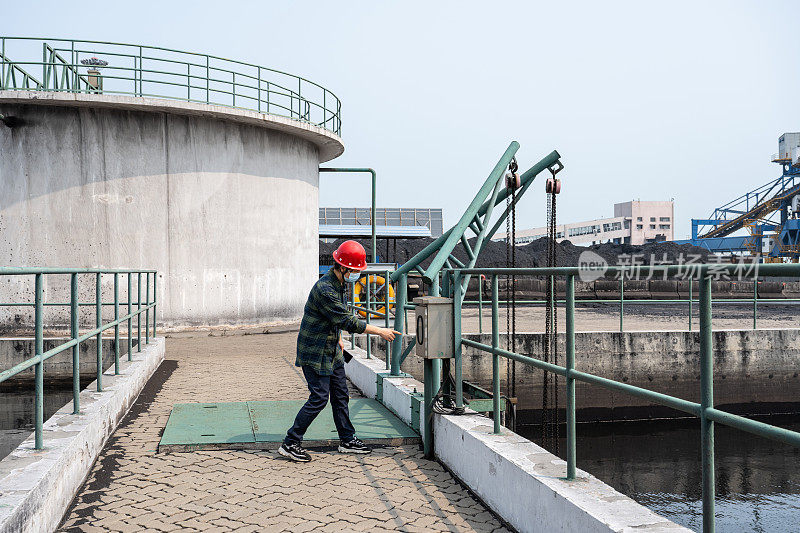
[[704, 409], [152, 71], [144, 306]]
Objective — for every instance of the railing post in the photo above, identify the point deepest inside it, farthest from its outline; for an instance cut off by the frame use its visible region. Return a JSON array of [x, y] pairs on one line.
[[98, 320], [480, 304], [353, 309], [146, 311], [155, 300], [39, 376], [367, 302], [130, 320], [621, 299], [570, 366], [755, 302], [706, 401], [76, 360], [457, 297], [138, 311], [399, 324], [386, 285], [116, 326], [691, 304], [495, 357]]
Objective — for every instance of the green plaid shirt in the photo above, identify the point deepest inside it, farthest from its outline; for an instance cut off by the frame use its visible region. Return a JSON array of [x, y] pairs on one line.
[[325, 315]]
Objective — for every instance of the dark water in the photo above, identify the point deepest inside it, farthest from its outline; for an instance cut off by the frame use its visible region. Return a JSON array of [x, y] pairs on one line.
[[657, 463], [16, 413]]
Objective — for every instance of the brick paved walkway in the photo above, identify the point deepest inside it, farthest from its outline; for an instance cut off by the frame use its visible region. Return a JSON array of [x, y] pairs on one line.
[[133, 488]]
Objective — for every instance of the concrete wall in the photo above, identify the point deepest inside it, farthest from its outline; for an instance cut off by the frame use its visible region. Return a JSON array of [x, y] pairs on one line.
[[225, 209], [755, 371]]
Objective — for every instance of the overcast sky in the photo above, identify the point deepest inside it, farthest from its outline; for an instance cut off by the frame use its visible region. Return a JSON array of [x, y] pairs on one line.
[[682, 100]]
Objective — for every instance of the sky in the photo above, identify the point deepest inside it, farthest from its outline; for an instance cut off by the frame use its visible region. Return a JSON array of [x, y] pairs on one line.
[[643, 100]]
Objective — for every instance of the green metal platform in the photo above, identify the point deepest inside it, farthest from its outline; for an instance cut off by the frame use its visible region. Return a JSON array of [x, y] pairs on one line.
[[263, 425]]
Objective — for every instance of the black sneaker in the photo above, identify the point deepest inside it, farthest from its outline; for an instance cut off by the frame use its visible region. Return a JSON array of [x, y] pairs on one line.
[[354, 446], [294, 452]]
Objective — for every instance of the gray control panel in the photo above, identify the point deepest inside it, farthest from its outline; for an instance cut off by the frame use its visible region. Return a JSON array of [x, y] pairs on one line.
[[434, 327]]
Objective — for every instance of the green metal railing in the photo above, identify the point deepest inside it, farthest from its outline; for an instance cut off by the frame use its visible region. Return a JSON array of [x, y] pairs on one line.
[[704, 410], [65, 65], [38, 303], [689, 302]]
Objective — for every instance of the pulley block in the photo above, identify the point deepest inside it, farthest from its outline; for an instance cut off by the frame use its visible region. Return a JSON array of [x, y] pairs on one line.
[[513, 181], [552, 186]]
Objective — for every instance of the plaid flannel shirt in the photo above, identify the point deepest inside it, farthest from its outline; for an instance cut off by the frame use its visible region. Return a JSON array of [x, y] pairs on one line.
[[325, 315]]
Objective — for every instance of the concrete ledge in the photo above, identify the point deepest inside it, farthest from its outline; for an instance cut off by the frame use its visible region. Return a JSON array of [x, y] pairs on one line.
[[520, 481], [37, 486], [329, 144]]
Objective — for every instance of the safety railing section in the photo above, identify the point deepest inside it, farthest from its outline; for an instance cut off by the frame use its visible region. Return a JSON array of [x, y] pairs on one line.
[[139, 309], [76, 66], [373, 296], [704, 410], [690, 302]]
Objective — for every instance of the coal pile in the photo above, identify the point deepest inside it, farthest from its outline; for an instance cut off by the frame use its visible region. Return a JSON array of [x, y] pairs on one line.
[[534, 254]]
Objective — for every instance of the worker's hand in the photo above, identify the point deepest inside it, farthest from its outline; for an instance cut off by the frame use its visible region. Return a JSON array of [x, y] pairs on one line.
[[388, 334], [341, 344]]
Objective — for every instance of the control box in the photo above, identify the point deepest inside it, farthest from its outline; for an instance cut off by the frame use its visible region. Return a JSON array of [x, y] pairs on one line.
[[434, 326]]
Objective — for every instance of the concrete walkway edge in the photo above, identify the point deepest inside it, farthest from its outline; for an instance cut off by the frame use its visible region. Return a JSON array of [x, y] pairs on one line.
[[520, 481], [37, 486]]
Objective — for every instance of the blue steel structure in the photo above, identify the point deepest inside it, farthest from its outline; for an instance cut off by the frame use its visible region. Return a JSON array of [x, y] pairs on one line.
[[764, 211]]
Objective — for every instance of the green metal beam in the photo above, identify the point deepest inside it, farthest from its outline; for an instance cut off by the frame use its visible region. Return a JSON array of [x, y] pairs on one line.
[[372, 208]]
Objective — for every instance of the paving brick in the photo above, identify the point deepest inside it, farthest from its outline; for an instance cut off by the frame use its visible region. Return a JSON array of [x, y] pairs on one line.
[[394, 488]]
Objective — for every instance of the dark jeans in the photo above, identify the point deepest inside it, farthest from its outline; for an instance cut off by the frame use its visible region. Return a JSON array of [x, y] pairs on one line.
[[320, 388]]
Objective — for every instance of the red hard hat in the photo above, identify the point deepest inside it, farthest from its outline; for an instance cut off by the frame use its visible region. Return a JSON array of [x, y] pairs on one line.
[[351, 254]]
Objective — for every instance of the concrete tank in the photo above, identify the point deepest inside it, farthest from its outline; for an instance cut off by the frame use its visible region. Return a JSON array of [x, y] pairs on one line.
[[222, 201]]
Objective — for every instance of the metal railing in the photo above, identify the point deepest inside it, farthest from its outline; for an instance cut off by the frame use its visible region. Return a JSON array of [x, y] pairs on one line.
[[690, 302], [69, 65], [704, 409], [370, 308], [38, 303]]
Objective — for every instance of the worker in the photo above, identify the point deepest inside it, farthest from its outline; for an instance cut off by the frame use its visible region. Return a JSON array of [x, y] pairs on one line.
[[320, 356]]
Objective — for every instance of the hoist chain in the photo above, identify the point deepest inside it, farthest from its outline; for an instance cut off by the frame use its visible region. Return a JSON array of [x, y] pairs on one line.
[[550, 383]]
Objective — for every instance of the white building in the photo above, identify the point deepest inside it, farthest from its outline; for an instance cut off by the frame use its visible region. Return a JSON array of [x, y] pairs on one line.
[[634, 222]]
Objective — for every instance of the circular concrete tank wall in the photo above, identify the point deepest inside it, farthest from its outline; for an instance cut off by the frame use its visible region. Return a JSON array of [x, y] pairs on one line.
[[222, 202]]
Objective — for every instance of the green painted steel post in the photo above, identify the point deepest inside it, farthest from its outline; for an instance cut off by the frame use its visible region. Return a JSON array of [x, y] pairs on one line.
[[76, 360], [436, 364], [353, 310], [130, 320], [388, 350], [138, 311], [755, 302], [457, 298], [399, 324], [155, 277], [480, 304], [495, 357], [369, 314], [621, 300], [691, 304], [706, 401], [116, 327], [146, 311], [427, 426], [570, 366], [39, 376], [98, 321]]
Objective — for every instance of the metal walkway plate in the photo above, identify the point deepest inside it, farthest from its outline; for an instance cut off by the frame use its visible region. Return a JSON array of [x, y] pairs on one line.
[[263, 425]]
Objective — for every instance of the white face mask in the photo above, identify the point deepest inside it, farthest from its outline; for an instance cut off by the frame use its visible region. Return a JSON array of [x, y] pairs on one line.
[[352, 277]]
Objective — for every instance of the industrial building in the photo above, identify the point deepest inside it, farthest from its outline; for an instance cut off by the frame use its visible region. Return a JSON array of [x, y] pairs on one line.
[[634, 222], [390, 222]]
